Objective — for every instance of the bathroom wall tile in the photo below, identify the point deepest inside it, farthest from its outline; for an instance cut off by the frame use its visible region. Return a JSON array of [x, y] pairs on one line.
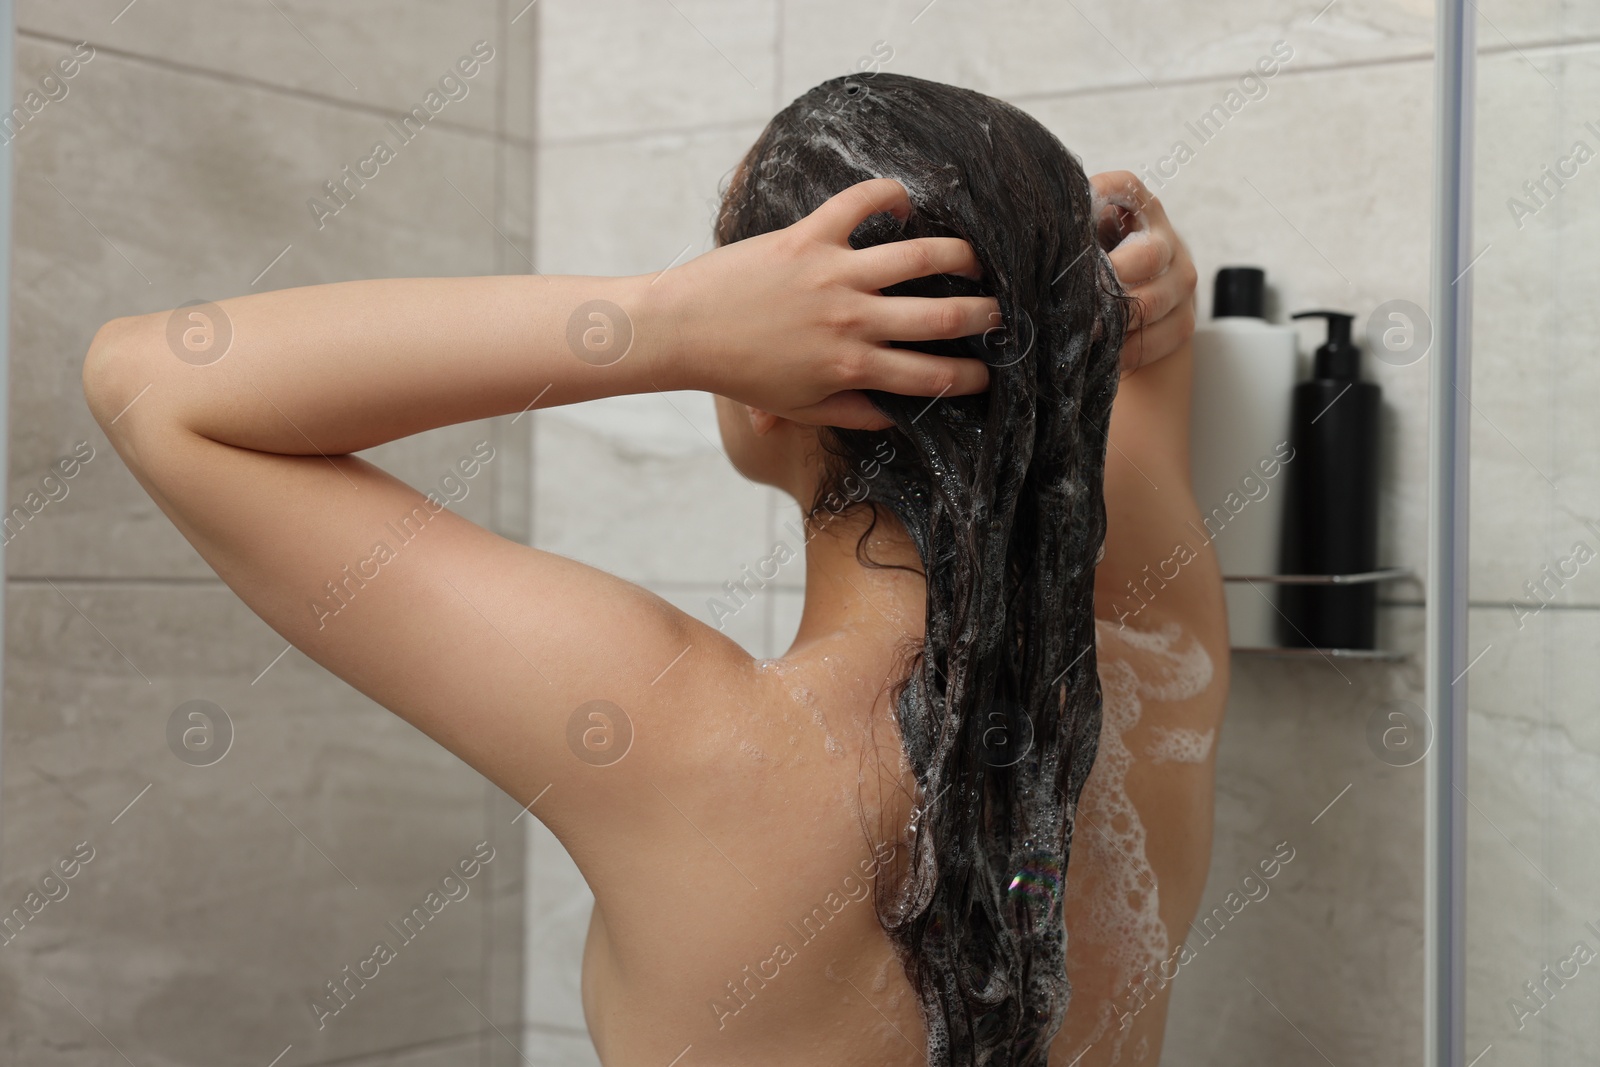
[[558, 904], [1539, 667], [760, 613], [784, 521], [558, 1048], [504, 965], [451, 1052], [370, 54], [251, 881], [519, 23], [787, 607], [1335, 944], [634, 206], [1531, 891], [1535, 444], [513, 245], [1346, 231], [617, 461], [117, 165], [628, 66], [1025, 49], [1533, 780], [1029, 48], [636, 486]]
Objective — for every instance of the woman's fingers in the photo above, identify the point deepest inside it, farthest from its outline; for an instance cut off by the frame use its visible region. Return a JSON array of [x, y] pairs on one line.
[[897, 261], [912, 373], [1123, 187], [842, 212], [1157, 300], [1158, 339], [928, 318], [851, 410], [1141, 256]]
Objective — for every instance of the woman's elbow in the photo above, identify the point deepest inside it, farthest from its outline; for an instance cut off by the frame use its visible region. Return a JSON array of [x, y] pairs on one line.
[[115, 349]]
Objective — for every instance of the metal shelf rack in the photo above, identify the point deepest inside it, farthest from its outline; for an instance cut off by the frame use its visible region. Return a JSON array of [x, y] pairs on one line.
[[1386, 574]]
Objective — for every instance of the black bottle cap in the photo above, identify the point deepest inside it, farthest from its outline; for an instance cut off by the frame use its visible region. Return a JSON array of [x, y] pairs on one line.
[[1240, 293], [1337, 358]]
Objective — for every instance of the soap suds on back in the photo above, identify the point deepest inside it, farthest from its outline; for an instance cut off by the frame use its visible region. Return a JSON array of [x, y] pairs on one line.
[[1110, 874], [1177, 744]]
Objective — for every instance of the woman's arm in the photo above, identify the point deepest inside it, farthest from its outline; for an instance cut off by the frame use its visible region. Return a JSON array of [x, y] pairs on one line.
[[1156, 566], [1159, 575], [788, 321], [488, 646]]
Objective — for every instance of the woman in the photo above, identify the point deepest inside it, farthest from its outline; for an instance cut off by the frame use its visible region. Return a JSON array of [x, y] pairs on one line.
[[853, 854]]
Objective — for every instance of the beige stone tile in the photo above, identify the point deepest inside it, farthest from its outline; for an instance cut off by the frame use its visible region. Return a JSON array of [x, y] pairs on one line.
[[633, 206], [244, 883], [1535, 445], [785, 520], [626, 66], [504, 963], [1531, 893], [1025, 48], [199, 208], [557, 1048], [1533, 780], [519, 85], [639, 486], [787, 607], [448, 1053], [659, 456], [1336, 942], [558, 904], [368, 54]]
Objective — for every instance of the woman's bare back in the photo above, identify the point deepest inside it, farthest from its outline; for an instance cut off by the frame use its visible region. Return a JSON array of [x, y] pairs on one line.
[[748, 933], [742, 927]]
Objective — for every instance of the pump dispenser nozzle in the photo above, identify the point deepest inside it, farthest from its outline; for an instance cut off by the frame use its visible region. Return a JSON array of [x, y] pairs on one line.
[[1337, 358]]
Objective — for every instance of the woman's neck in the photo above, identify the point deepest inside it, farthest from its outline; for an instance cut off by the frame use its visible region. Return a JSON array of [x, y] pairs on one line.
[[854, 605]]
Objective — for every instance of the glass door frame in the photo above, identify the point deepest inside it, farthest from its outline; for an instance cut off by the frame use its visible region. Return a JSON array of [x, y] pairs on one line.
[[1446, 602]]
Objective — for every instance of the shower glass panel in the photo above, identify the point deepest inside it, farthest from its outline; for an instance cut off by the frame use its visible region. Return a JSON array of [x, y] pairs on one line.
[[1533, 789]]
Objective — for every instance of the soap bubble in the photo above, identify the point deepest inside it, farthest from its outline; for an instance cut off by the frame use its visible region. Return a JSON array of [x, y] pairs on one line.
[[1038, 881]]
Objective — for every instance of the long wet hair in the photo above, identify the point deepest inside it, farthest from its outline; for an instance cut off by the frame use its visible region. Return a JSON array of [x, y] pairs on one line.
[[1001, 492]]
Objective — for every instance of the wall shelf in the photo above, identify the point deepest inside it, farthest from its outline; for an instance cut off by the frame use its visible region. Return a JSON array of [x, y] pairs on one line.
[[1386, 574]]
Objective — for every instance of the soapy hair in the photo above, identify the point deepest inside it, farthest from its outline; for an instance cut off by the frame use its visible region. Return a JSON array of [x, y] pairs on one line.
[[999, 713]]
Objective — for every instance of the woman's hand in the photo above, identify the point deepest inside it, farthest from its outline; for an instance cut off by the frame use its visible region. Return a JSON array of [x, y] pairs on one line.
[[792, 321], [1151, 262]]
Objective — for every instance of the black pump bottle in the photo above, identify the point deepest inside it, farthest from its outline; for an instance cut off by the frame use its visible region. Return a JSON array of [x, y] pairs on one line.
[[1331, 507]]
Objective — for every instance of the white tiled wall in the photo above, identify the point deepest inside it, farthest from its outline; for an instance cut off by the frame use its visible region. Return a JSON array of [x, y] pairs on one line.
[[1325, 180], [1533, 871]]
